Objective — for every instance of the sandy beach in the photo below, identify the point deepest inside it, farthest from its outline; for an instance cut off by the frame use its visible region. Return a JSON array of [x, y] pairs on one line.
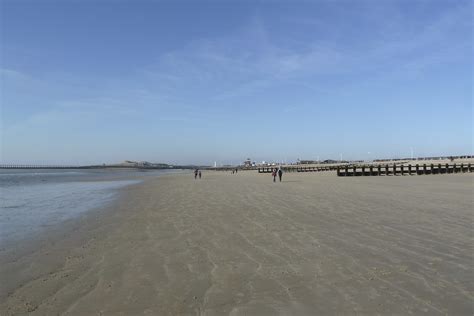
[[314, 244]]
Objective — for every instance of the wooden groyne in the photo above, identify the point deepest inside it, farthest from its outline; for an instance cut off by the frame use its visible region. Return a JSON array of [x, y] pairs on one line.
[[297, 169], [401, 170]]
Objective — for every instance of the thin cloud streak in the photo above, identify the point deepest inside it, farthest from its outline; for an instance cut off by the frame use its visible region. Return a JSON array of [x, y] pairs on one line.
[[219, 61]]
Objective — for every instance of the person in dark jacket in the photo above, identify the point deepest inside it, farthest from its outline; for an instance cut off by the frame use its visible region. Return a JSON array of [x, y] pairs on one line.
[[280, 173]]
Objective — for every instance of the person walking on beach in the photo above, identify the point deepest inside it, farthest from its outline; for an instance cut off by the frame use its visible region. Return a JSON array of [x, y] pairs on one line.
[[199, 174], [280, 173], [196, 173], [274, 174]]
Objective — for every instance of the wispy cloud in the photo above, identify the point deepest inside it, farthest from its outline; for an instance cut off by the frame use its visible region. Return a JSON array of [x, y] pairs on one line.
[[10, 74], [249, 60]]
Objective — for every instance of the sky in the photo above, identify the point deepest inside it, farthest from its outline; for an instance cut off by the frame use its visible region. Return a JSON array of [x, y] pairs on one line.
[[182, 82]]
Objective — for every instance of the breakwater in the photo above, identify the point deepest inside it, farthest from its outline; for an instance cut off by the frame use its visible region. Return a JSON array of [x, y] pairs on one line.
[[401, 170]]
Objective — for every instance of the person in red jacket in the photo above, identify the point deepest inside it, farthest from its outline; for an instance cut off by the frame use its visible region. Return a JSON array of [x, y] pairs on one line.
[[274, 174]]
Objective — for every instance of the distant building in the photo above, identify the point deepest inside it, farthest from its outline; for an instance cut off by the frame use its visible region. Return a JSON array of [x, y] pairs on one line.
[[248, 163], [142, 164], [307, 162]]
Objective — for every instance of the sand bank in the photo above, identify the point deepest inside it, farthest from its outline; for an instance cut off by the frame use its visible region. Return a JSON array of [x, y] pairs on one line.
[[242, 245]]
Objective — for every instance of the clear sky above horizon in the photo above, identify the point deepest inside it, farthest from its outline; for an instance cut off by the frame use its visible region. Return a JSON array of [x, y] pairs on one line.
[[204, 81]]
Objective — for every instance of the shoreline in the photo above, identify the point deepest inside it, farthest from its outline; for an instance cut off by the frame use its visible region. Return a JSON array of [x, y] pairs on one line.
[[32, 215], [241, 244], [73, 229]]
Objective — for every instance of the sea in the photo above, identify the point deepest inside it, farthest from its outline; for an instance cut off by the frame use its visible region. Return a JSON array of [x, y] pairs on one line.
[[35, 200]]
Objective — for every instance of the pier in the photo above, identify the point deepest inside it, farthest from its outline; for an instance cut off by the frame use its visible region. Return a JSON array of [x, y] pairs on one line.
[[15, 166]]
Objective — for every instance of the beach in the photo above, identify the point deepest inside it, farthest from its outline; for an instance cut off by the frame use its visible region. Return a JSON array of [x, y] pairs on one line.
[[243, 245]]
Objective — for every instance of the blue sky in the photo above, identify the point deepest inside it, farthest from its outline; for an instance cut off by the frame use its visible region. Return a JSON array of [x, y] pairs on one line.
[[205, 81]]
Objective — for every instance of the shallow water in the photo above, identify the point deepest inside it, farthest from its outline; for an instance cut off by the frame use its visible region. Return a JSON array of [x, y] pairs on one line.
[[35, 200]]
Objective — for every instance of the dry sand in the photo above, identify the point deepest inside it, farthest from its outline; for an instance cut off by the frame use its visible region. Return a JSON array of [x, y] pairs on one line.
[[242, 245]]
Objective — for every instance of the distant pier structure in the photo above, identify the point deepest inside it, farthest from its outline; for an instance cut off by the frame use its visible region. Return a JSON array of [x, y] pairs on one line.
[[34, 166], [21, 166]]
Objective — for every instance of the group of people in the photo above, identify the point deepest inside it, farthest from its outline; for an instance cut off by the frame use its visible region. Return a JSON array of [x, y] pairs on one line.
[[276, 172], [197, 173]]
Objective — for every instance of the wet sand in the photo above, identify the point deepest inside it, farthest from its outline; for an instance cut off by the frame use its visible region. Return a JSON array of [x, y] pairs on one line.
[[242, 245]]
